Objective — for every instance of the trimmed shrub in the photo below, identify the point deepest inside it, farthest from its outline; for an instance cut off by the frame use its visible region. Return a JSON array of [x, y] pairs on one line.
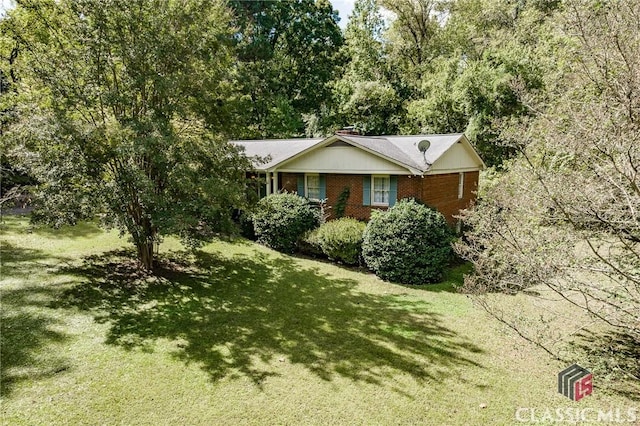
[[281, 219], [410, 243], [339, 240], [309, 244]]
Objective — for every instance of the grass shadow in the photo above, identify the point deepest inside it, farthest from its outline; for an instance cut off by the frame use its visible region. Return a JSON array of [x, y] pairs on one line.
[[25, 329], [25, 325], [17, 224], [452, 280], [613, 360], [234, 315], [21, 262]]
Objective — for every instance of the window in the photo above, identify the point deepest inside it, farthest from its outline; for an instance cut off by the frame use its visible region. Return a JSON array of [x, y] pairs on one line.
[[460, 185], [312, 187], [380, 194], [379, 190]]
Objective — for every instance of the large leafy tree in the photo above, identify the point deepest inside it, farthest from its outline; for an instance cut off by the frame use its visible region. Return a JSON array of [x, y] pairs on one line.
[[469, 61], [565, 216], [365, 97], [123, 105], [414, 34], [11, 178], [287, 56], [364, 45]]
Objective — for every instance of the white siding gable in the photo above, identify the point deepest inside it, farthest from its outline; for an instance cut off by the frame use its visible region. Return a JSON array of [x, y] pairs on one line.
[[341, 159], [459, 158]]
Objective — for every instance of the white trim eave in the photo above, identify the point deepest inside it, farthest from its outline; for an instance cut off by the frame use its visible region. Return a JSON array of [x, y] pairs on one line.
[[389, 159], [475, 153], [347, 172], [370, 172], [445, 171]]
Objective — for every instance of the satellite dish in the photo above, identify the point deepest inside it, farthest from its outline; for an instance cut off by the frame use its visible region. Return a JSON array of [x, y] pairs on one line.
[[424, 145]]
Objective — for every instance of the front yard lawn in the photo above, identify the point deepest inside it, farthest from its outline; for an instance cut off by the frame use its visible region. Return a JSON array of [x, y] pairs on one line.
[[239, 334]]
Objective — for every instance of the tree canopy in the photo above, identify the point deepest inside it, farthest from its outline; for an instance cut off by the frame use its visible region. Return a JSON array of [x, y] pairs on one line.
[[122, 112], [564, 215], [435, 66], [286, 57]]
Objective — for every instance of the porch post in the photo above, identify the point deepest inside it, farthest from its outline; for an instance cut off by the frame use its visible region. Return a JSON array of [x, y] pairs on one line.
[[268, 181], [275, 181]]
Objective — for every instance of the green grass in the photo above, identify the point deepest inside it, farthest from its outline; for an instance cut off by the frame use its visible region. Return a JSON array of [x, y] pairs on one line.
[[239, 334]]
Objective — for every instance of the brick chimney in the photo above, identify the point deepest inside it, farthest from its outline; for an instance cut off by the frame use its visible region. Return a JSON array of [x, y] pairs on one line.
[[348, 130]]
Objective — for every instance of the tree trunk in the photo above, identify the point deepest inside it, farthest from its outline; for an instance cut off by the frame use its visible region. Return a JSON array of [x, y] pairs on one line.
[[146, 255], [147, 247]]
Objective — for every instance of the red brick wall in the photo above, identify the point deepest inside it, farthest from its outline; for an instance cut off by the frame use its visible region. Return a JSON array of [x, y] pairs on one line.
[[354, 207], [439, 191]]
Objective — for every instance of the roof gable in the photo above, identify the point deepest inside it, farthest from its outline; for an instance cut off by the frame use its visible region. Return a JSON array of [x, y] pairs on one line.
[[459, 157], [342, 158], [400, 150], [381, 146]]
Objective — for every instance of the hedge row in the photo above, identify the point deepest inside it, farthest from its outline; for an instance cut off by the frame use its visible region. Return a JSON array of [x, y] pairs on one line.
[[409, 243], [339, 240]]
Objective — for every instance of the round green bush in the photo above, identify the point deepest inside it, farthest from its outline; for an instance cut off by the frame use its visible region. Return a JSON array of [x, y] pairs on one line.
[[281, 219], [340, 239], [410, 243], [310, 245]]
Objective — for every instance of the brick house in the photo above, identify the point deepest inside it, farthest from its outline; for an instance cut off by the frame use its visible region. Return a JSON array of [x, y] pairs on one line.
[[376, 171]]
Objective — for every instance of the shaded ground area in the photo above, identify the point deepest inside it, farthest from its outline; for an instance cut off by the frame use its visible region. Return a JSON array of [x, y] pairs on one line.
[[238, 334], [82, 230], [25, 327], [233, 314], [16, 210]]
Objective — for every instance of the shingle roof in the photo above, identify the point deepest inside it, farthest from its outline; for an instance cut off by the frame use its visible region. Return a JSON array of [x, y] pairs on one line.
[[399, 149], [274, 151], [383, 146], [404, 149]]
